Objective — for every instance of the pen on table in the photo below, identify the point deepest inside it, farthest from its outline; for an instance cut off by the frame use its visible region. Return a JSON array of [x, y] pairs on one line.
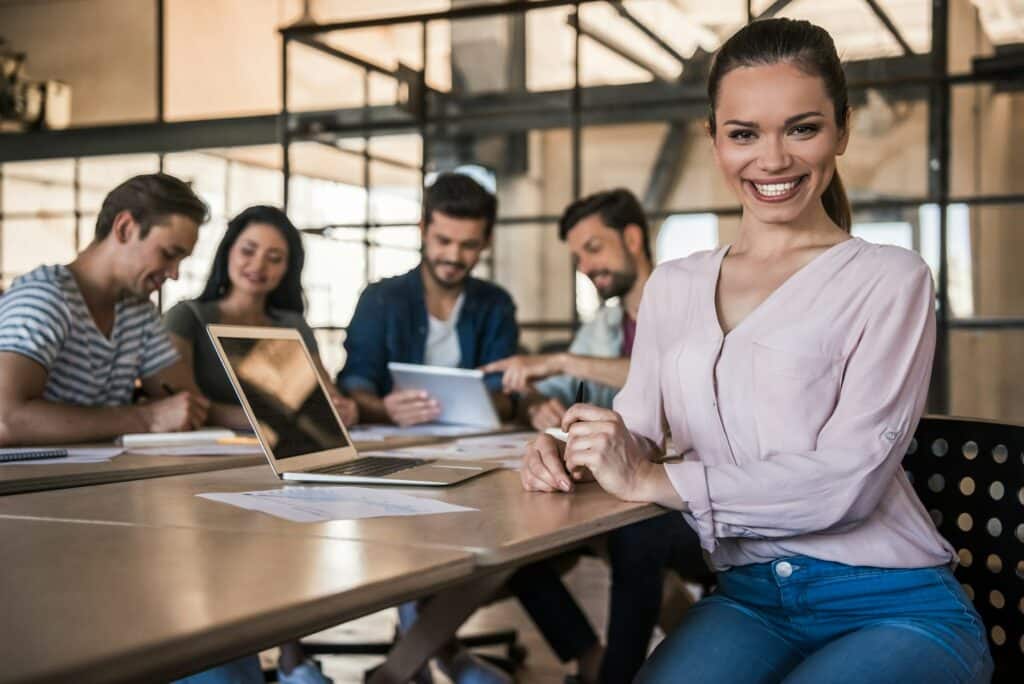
[[581, 398]]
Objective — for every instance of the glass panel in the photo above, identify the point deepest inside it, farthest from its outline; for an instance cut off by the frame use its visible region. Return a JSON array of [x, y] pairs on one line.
[[384, 46], [405, 151], [395, 193], [28, 243], [888, 152], [319, 81], [981, 27], [996, 252], [254, 177], [206, 172], [325, 188], [683, 234], [332, 279], [550, 44], [857, 32], [24, 197], [534, 248], [391, 261], [698, 183], [614, 50], [59, 172], [985, 368], [620, 156], [439, 56], [987, 128], [534, 177], [100, 175]]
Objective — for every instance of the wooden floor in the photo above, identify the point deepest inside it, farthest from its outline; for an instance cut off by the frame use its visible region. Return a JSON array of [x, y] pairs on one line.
[[588, 581]]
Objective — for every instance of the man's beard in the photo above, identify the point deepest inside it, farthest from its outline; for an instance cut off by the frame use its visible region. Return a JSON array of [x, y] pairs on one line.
[[460, 277], [621, 281]]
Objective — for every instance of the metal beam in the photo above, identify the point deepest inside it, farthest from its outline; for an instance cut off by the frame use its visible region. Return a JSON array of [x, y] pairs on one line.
[[773, 9], [612, 45], [939, 151], [139, 138], [375, 158], [454, 14], [493, 113], [346, 57], [887, 22], [666, 168], [658, 40]]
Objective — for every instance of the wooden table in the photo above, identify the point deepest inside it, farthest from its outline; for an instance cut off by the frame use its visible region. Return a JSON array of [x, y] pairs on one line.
[[510, 525], [88, 602], [15, 479]]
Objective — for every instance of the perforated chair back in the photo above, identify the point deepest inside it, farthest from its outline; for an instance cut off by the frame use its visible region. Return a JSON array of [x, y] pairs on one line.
[[970, 476]]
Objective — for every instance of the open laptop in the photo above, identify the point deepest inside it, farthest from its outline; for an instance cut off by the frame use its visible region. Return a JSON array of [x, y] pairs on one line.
[[288, 406]]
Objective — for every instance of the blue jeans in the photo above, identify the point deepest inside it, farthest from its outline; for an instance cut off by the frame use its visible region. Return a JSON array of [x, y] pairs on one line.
[[245, 670], [801, 620]]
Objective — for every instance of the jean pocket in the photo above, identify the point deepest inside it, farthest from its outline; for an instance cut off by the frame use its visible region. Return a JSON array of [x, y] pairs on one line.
[[917, 592]]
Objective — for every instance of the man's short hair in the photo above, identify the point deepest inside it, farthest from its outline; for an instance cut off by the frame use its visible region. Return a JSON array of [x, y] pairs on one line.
[[150, 198], [617, 208], [458, 195]]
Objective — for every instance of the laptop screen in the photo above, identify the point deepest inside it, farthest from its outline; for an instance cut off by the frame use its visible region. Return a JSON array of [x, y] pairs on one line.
[[281, 385]]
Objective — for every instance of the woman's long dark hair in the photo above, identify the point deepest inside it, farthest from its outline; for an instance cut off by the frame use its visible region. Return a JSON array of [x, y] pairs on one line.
[[288, 294], [807, 47]]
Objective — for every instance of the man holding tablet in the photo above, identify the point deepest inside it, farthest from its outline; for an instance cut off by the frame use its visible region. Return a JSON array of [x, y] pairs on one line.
[[436, 314], [439, 315]]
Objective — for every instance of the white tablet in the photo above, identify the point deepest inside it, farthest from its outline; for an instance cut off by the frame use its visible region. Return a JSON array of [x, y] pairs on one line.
[[462, 394]]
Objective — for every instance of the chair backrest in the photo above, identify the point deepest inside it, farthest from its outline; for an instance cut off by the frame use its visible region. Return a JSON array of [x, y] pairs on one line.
[[970, 476]]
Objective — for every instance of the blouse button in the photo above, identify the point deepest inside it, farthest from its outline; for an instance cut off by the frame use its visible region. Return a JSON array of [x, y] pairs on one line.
[[783, 569]]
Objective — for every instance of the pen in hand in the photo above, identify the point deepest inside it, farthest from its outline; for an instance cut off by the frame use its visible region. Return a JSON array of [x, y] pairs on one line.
[[168, 389], [581, 398]]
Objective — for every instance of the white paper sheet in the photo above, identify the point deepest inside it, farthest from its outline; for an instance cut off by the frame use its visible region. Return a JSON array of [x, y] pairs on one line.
[[318, 503], [200, 450], [97, 454]]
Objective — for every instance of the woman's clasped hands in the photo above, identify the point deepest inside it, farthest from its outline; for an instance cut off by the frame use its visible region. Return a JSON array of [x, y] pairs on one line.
[[599, 448]]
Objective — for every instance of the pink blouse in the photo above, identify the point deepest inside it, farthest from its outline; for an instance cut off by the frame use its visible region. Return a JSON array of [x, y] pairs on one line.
[[792, 426]]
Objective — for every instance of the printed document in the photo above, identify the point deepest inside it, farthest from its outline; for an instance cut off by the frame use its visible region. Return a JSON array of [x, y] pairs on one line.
[[329, 502]]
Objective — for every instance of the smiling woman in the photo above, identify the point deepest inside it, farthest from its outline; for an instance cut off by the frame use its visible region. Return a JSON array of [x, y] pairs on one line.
[[790, 369]]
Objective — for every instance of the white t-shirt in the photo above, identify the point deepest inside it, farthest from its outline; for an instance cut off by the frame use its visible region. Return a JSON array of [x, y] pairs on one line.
[[442, 339]]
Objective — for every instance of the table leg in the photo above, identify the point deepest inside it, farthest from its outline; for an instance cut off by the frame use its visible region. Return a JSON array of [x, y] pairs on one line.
[[438, 621]]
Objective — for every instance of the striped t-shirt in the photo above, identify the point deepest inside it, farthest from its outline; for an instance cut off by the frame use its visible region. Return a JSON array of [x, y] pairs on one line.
[[44, 317]]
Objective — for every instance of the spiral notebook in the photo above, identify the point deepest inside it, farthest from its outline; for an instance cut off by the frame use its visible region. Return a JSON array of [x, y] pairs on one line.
[[22, 454]]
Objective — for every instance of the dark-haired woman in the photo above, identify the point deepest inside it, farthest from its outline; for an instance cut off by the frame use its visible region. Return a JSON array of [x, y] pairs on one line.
[[792, 368], [255, 280]]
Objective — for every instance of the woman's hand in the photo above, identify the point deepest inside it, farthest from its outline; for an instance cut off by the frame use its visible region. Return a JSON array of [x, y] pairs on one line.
[[543, 469], [600, 442]]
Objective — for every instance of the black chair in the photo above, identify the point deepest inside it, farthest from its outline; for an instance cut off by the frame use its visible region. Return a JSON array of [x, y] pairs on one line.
[[970, 476]]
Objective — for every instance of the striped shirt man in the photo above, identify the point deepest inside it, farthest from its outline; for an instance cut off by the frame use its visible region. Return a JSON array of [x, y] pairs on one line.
[[44, 317]]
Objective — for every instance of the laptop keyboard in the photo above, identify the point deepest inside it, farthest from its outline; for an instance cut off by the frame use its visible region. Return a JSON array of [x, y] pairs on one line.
[[373, 466]]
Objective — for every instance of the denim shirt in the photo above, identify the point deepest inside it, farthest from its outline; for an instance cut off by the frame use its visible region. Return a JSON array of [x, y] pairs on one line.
[[390, 324]]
